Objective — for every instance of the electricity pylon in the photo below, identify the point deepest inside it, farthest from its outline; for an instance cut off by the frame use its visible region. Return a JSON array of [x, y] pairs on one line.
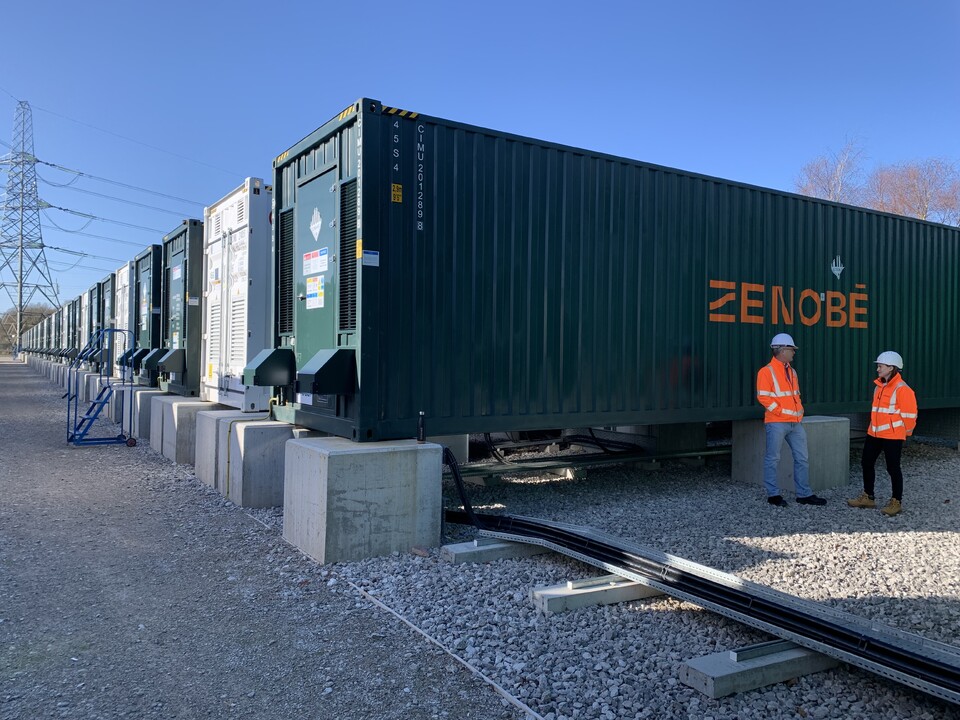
[[23, 265]]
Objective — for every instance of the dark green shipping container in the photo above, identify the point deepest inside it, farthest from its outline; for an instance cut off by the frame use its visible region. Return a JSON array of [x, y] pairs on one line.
[[496, 282], [181, 315], [148, 331]]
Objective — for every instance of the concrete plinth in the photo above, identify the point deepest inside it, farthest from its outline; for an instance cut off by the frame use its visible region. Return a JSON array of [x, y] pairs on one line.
[[605, 590], [348, 501], [173, 426], [208, 440], [143, 411], [92, 388], [77, 382], [459, 445], [828, 443], [726, 673], [253, 457]]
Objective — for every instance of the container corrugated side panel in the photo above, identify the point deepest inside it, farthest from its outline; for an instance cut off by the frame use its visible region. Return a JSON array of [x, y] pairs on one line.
[[552, 287]]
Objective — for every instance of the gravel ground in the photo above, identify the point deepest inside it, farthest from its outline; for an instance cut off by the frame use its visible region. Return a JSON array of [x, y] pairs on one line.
[[128, 589], [239, 584]]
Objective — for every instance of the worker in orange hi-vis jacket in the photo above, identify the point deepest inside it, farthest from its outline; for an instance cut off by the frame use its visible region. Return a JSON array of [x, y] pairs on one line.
[[778, 390], [893, 417]]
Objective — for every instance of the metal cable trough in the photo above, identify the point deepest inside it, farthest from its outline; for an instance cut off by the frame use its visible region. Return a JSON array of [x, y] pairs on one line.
[[925, 665]]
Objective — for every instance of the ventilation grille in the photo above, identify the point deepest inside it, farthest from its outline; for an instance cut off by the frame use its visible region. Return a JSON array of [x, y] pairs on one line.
[[285, 274], [238, 332], [217, 224], [348, 256], [214, 331], [240, 209]]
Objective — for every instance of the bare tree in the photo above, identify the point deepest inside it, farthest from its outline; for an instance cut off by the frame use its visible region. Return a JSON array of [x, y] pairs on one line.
[[925, 189], [835, 176]]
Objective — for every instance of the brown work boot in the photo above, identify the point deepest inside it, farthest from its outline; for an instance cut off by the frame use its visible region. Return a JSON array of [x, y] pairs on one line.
[[892, 508], [862, 501]]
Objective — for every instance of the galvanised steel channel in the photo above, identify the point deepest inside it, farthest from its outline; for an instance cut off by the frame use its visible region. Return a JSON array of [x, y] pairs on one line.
[[928, 666]]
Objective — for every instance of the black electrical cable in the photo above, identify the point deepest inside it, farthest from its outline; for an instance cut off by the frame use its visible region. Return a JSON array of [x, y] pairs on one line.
[[834, 635], [450, 459]]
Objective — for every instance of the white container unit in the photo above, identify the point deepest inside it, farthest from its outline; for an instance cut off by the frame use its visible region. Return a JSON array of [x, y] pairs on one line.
[[238, 301], [124, 313], [85, 328]]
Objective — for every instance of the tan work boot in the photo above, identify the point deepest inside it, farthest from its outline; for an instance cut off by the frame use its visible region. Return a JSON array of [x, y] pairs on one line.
[[862, 501], [892, 508]]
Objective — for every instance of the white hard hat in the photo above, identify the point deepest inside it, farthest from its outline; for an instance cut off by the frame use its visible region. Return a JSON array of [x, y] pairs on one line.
[[782, 340], [889, 357]]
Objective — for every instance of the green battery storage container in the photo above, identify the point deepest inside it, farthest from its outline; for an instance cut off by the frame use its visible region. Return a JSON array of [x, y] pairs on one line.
[[495, 282], [181, 315], [148, 330], [124, 317], [112, 343]]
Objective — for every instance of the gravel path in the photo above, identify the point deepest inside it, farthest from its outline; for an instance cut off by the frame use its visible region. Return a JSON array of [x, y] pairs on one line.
[[171, 598], [127, 589]]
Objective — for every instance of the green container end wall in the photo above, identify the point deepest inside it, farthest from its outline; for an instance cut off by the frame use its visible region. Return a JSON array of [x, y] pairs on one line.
[[497, 282], [181, 315], [148, 277]]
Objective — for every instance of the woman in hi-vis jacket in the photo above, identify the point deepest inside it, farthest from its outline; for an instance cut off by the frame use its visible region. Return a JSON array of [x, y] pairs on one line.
[[893, 416]]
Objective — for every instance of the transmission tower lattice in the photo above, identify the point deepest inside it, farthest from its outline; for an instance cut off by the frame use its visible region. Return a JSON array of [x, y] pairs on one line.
[[23, 265]]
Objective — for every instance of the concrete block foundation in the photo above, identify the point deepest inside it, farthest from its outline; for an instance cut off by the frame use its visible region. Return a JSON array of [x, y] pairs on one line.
[[208, 441], [253, 452], [142, 411], [347, 501], [828, 443], [173, 426]]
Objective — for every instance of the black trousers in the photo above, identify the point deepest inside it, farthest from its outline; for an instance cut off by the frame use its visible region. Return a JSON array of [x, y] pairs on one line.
[[891, 449]]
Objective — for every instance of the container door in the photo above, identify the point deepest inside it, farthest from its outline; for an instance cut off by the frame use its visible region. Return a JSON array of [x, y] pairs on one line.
[[213, 310], [145, 309], [175, 252], [237, 288], [313, 259]]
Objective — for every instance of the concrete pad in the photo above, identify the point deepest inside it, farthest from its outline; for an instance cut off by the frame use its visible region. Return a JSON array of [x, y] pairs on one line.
[[726, 673], [349, 501], [178, 437], [226, 452], [78, 384], [93, 386], [828, 443], [208, 436], [604, 590], [253, 470], [143, 411], [459, 445], [488, 550]]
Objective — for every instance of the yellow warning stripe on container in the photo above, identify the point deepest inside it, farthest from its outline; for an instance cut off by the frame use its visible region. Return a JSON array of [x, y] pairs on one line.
[[402, 113], [359, 248], [281, 157], [347, 112]]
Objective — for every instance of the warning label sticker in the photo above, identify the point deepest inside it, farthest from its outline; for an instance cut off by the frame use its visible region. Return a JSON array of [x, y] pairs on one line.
[[314, 292]]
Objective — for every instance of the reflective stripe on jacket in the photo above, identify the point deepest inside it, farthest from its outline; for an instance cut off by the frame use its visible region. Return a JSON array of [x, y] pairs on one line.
[[894, 412], [779, 395]]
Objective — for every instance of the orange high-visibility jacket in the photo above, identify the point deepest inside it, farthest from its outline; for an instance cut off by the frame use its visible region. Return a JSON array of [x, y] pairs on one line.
[[894, 412], [779, 396]]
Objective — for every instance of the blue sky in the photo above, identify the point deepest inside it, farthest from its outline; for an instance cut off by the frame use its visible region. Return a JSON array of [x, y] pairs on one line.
[[748, 90]]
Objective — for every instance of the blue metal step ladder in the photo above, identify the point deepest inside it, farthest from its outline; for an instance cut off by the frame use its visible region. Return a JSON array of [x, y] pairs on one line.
[[78, 426]]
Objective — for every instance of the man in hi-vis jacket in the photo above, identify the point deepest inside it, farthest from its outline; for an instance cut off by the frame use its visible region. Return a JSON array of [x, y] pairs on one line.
[[778, 390]]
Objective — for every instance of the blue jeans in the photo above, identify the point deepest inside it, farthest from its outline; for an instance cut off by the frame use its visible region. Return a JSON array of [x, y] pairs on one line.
[[796, 438]]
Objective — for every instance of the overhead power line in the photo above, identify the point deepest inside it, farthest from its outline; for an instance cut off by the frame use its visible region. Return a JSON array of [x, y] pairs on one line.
[[80, 173], [44, 205], [116, 199], [92, 235], [82, 254], [137, 142]]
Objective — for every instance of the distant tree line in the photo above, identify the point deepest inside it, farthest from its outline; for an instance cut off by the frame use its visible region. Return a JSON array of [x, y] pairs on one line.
[[32, 314], [926, 189]]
